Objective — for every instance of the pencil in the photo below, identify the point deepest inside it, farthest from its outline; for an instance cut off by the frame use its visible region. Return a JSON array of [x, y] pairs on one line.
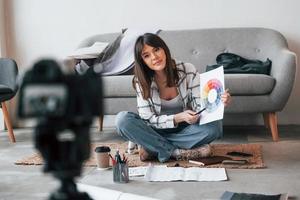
[[196, 162], [113, 160], [197, 113]]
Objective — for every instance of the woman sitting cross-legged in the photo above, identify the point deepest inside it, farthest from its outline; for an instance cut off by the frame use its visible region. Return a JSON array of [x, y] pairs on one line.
[[168, 98]]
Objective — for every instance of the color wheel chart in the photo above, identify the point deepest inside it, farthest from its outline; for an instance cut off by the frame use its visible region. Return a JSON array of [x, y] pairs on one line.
[[211, 94], [211, 89]]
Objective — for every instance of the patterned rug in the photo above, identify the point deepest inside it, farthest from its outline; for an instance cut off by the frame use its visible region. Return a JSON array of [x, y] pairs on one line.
[[253, 162]]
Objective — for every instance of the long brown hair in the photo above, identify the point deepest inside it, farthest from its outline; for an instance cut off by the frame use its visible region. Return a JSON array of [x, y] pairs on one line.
[[143, 75]]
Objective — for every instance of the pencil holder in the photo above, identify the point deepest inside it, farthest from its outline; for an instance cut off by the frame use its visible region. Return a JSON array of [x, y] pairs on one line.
[[120, 173]]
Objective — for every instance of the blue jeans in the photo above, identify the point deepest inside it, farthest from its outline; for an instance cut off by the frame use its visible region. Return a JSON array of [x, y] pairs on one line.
[[163, 142]]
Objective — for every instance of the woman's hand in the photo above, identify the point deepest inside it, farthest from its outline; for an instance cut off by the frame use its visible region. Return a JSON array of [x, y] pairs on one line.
[[226, 98], [186, 116]]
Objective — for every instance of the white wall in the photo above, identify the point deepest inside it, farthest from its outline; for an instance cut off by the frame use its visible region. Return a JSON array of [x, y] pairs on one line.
[[55, 27]]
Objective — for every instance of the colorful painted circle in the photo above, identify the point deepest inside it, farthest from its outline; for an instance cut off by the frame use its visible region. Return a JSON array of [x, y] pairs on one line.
[[211, 94]]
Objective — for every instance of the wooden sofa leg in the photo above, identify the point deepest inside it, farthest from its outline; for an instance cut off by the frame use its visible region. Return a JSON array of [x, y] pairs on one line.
[[101, 123], [8, 123], [272, 123]]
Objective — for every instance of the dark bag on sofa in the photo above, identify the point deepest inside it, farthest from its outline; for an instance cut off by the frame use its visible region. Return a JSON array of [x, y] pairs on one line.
[[233, 63]]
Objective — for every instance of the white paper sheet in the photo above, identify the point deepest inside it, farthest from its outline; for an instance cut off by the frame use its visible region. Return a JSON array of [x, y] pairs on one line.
[[211, 88], [164, 173], [124, 56], [89, 52], [137, 171]]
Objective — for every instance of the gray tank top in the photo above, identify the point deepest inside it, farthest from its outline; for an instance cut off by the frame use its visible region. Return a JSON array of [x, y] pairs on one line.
[[170, 107]]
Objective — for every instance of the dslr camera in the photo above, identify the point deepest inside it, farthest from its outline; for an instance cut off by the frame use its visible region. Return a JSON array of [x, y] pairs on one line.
[[64, 106], [47, 92]]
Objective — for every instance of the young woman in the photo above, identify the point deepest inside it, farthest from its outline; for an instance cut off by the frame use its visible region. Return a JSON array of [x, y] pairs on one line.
[[168, 98]]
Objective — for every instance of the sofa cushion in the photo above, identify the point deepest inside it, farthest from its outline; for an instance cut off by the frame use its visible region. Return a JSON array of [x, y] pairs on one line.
[[238, 85], [113, 106], [118, 86], [249, 84]]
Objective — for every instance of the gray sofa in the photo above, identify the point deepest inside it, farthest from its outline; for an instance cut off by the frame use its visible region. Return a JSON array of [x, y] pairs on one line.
[[251, 93]]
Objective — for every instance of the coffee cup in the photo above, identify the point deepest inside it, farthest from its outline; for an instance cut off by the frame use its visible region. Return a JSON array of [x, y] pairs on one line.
[[102, 157]]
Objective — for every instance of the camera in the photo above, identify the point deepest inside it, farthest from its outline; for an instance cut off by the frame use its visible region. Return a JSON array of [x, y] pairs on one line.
[[47, 92], [64, 105]]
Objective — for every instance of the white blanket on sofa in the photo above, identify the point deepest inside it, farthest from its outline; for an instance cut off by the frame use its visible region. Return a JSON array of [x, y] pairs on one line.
[[123, 57]]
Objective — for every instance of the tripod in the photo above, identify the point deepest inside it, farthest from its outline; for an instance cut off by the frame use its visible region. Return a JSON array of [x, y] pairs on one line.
[[64, 145]]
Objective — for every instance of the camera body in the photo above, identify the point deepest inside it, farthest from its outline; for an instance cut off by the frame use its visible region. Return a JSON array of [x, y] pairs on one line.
[[47, 92]]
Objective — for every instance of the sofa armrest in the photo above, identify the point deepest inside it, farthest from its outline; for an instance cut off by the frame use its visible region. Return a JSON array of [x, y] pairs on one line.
[[284, 71]]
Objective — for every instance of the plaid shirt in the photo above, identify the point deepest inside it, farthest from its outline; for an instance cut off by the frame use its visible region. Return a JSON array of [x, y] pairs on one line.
[[188, 88]]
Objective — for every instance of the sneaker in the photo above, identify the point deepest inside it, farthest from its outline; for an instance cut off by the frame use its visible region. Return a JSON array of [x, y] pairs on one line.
[[145, 155], [199, 152], [131, 149]]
